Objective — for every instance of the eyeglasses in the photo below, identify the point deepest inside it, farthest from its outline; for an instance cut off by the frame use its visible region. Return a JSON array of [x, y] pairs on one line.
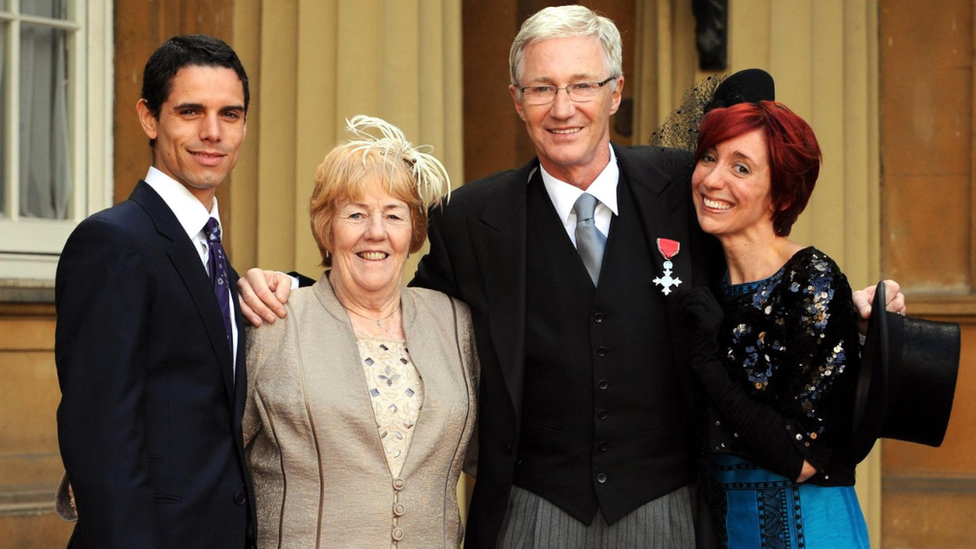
[[580, 92]]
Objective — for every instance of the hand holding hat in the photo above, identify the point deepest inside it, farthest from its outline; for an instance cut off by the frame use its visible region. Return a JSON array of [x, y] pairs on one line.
[[907, 379]]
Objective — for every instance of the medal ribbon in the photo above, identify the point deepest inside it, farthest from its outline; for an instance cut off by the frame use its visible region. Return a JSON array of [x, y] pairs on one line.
[[668, 248]]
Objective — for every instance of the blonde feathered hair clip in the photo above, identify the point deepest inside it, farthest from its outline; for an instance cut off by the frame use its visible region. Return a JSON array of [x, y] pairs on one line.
[[430, 175]]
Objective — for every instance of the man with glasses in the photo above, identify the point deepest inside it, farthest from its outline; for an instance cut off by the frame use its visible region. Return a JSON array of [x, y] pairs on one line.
[[586, 436]]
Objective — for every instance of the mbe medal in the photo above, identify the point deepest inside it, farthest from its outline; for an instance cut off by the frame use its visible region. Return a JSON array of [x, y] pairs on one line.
[[668, 248]]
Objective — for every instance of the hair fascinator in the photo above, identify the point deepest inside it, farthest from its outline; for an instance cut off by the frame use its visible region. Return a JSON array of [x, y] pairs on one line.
[[745, 86], [375, 134], [680, 128]]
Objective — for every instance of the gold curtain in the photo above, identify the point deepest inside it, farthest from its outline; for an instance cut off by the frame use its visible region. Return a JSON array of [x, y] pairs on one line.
[[314, 63]]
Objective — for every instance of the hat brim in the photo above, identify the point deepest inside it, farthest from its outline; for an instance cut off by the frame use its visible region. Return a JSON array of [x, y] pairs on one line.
[[872, 382]]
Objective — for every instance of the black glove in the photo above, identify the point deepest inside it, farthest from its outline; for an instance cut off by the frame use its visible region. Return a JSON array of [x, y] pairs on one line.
[[696, 319]]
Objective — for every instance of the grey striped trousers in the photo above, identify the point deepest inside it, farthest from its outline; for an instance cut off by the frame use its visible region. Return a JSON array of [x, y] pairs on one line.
[[532, 522]]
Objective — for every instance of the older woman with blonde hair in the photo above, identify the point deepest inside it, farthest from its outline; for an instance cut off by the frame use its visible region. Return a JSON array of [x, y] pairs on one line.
[[361, 402]]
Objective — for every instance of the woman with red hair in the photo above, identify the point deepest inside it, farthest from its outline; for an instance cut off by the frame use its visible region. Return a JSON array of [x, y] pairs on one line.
[[788, 340]]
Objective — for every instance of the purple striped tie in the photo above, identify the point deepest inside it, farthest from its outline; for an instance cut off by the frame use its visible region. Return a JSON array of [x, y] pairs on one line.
[[217, 265]]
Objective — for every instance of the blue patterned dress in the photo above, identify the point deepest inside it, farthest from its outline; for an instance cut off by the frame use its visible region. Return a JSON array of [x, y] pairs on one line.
[[791, 339]]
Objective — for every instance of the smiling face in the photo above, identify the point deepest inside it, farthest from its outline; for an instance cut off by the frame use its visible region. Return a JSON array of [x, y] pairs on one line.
[[200, 128], [370, 240], [571, 139], [731, 186]]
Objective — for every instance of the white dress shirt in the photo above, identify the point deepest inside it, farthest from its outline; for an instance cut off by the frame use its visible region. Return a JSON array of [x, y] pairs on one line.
[[604, 188], [192, 215]]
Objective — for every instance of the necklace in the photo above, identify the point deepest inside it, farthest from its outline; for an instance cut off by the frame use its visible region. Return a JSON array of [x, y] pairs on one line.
[[378, 321]]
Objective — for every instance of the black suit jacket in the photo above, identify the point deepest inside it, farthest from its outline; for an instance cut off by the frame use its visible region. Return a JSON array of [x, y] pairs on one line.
[[149, 423], [478, 254]]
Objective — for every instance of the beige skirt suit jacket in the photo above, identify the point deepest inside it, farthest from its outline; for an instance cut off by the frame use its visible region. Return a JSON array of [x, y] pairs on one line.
[[321, 477]]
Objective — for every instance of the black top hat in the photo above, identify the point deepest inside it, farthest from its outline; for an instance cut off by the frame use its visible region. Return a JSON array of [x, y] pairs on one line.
[[745, 86], [907, 379]]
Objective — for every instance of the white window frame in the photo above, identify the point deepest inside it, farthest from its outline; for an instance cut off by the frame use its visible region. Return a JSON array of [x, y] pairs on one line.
[[29, 247]]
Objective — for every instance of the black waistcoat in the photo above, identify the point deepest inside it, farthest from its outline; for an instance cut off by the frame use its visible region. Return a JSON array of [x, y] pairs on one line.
[[604, 421]]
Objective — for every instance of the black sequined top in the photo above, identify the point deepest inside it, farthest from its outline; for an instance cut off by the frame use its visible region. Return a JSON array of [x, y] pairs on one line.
[[792, 341]]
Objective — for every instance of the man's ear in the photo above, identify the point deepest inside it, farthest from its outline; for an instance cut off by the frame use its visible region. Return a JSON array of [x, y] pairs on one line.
[[617, 95], [512, 89], [146, 119]]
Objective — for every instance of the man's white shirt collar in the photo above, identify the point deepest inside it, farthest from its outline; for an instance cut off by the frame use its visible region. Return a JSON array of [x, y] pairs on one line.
[[188, 209], [564, 195]]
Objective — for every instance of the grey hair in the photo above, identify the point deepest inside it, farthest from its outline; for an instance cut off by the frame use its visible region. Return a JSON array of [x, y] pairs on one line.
[[567, 22]]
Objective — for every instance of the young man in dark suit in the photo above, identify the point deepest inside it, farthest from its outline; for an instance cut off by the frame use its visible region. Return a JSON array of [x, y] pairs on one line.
[[149, 342]]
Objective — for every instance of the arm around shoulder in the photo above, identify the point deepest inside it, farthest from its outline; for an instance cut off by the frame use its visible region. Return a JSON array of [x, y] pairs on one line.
[[435, 271], [266, 354]]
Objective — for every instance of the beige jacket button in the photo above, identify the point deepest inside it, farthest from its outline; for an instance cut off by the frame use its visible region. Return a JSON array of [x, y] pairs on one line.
[[398, 534], [398, 484], [398, 510]]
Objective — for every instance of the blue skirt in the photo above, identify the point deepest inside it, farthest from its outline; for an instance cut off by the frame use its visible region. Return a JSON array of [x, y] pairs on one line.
[[757, 509]]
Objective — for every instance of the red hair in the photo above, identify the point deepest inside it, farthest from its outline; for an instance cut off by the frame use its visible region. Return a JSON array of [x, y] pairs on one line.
[[792, 149]]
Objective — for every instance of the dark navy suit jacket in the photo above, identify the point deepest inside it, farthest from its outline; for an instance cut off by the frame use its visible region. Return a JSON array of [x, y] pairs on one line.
[[149, 423]]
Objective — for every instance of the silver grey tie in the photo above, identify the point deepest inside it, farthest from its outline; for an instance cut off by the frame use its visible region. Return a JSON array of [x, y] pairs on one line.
[[590, 242]]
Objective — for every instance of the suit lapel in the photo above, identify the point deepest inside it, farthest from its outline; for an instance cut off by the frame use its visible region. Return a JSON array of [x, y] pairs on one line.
[[187, 263], [240, 372], [663, 208], [499, 237]]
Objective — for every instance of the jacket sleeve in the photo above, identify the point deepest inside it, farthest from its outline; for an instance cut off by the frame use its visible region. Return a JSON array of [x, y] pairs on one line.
[[103, 298], [469, 350], [435, 271], [251, 423], [827, 355], [697, 317]]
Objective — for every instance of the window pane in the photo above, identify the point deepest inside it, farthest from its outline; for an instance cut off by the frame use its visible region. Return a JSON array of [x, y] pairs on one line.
[[45, 181], [55, 9]]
